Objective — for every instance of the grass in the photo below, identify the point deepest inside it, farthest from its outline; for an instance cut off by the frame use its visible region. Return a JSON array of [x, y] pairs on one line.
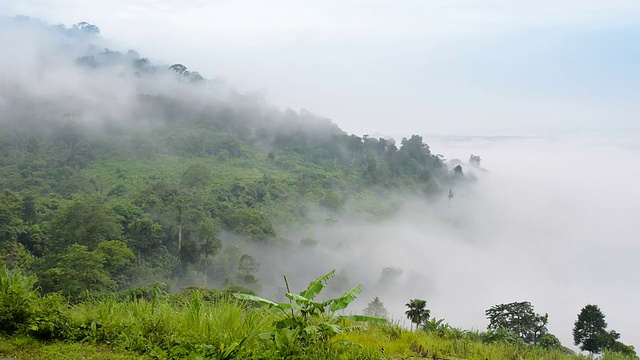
[[172, 329], [187, 326], [24, 348], [402, 344]]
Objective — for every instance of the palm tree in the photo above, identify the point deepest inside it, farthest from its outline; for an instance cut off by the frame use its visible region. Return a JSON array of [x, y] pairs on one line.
[[418, 312]]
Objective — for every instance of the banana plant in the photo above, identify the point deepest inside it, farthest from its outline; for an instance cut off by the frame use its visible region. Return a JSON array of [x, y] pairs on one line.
[[436, 325], [303, 320]]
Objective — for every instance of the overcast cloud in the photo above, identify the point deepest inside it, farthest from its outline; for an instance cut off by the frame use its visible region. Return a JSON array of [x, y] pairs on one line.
[[393, 67]]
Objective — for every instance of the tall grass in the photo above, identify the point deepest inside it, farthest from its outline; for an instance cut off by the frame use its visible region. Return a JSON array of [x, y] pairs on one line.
[[197, 326], [403, 343], [16, 295], [172, 329]]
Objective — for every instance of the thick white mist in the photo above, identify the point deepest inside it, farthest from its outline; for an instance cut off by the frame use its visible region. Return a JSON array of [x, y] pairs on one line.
[[552, 221]]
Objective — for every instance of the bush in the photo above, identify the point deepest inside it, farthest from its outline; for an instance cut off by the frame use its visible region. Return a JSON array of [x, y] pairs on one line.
[[48, 318], [16, 296]]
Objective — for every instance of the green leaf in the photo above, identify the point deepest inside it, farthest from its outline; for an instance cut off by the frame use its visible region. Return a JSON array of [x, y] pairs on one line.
[[311, 329], [255, 298], [297, 297], [272, 305], [331, 328], [316, 286], [344, 301], [289, 306]]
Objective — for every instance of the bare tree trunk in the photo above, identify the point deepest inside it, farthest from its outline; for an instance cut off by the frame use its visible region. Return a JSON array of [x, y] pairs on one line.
[[179, 238], [179, 231]]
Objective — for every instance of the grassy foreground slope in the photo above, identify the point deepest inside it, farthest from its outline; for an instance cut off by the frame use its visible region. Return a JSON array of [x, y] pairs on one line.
[[24, 348], [207, 324]]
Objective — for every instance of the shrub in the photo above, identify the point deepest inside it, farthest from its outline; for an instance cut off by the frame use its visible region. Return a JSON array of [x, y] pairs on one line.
[[16, 295], [48, 318]]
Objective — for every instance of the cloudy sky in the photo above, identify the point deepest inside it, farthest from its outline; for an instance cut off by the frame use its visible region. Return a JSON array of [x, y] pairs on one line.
[[397, 67]]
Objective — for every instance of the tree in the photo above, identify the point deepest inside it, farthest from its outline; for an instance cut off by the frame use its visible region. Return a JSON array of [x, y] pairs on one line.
[[80, 270], [589, 331], [436, 325], [475, 160], [519, 318], [549, 341], [116, 255], [145, 236], [11, 224], [86, 28], [179, 69], [418, 312], [627, 350], [389, 275], [211, 243], [247, 268], [376, 308], [86, 220], [195, 77], [457, 171]]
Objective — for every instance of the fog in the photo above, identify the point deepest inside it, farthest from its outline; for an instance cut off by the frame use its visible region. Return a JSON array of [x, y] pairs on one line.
[[430, 67], [551, 219]]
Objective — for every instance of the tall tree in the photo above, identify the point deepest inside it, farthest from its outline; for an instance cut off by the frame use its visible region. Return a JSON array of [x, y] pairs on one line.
[[86, 220], [589, 331], [418, 312], [79, 270], [210, 243], [179, 69], [519, 318], [376, 308]]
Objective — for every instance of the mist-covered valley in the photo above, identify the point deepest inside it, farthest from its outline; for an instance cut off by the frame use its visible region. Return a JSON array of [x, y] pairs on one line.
[[161, 175]]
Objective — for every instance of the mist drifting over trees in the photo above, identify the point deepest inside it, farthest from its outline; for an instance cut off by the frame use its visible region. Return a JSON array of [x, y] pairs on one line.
[[136, 171]]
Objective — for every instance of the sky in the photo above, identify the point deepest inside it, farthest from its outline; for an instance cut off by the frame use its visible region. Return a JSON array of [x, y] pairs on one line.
[[393, 68], [553, 220]]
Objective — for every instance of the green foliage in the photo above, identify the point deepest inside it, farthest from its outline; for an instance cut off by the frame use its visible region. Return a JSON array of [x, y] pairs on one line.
[[78, 272], [589, 331], [549, 341], [626, 350], [115, 255], [303, 323], [502, 335], [453, 344], [250, 222], [204, 324], [48, 318], [86, 220], [619, 354], [28, 348], [519, 318], [16, 296], [418, 312], [436, 325]]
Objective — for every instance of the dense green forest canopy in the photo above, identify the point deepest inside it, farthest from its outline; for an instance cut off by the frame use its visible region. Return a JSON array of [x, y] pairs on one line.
[[130, 172]]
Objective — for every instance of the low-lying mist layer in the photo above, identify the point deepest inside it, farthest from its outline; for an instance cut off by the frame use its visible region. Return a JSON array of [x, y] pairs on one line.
[[551, 221]]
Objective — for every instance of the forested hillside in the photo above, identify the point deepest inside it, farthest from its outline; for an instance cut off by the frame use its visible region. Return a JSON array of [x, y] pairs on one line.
[[130, 172]]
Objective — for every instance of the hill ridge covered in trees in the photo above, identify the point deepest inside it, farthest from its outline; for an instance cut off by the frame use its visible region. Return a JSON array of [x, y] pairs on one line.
[[110, 159]]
